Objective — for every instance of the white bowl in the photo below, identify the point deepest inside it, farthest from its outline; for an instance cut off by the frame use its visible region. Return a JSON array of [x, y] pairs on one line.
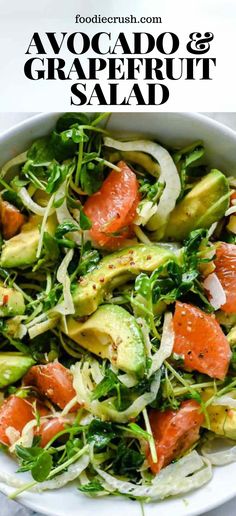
[[171, 129]]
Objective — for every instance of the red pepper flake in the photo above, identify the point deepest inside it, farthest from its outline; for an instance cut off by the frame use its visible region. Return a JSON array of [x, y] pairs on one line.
[[5, 299]]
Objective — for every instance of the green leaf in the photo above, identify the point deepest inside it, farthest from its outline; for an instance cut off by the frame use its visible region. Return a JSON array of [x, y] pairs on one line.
[[143, 285], [108, 383], [88, 260], [42, 467], [91, 487], [12, 198], [137, 430], [84, 221], [126, 460], [68, 119], [27, 454], [17, 183], [172, 281], [54, 177], [186, 159], [89, 157], [194, 395], [59, 202], [62, 149], [233, 358], [50, 247], [36, 460], [194, 240], [58, 174], [73, 445], [101, 433], [66, 227], [91, 177], [41, 151], [75, 133], [151, 191], [44, 150]]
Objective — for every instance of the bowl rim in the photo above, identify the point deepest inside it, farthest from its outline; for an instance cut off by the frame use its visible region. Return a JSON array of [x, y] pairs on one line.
[[191, 115]]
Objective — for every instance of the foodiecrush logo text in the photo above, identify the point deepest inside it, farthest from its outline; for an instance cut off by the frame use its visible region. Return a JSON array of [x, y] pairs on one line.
[[122, 69]]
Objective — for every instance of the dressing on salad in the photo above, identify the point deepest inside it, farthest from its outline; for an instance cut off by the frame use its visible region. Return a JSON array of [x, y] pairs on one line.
[[117, 314]]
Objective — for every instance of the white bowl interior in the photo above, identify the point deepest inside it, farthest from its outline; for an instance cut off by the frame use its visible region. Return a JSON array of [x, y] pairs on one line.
[[173, 129]]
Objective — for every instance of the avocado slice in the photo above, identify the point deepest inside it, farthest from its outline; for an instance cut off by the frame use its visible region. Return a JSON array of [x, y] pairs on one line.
[[11, 302], [231, 226], [12, 367], [113, 271], [20, 250], [226, 320], [222, 419], [205, 204], [231, 337], [111, 332]]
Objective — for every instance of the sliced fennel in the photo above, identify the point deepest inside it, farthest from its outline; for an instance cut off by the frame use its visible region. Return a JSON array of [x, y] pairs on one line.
[[66, 307], [219, 451], [63, 213], [168, 176], [230, 211], [32, 205], [105, 410], [146, 209], [14, 162], [128, 380], [43, 225], [166, 346], [73, 472], [139, 158], [190, 472]]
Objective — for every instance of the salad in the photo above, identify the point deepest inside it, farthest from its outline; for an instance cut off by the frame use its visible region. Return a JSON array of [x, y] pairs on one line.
[[117, 314]]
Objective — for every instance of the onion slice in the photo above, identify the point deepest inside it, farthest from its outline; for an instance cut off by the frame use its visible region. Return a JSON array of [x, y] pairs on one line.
[[169, 176], [217, 294]]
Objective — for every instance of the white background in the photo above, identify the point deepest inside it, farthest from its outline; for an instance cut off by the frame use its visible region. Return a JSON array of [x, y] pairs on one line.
[[20, 19], [9, 508]]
